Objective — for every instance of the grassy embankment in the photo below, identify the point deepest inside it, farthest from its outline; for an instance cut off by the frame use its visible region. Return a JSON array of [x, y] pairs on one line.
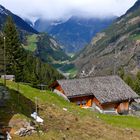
[[73, 124]]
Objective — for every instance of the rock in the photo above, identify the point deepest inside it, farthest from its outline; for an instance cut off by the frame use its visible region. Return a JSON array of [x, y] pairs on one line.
[[64, 138], [130, 131], [76, 119], [20, 130], [50, 116], [26, 124], [65, 109], [68, 128], [28, 130], [32, 123]]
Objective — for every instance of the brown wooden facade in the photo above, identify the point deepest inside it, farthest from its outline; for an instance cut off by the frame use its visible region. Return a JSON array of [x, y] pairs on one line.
[[89, 100]]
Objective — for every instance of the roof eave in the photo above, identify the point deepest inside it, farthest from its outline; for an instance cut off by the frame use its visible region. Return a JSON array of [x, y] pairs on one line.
[[82, 95], [118, 101]]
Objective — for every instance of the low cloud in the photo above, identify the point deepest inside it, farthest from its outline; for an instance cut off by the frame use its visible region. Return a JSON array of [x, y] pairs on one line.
[[55, 9]]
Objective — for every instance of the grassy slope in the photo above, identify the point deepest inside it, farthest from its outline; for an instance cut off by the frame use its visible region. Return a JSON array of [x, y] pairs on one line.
[[31, 41], [73, 124], [50, 57]]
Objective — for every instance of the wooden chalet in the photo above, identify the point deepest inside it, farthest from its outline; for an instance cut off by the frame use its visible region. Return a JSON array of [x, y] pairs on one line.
[[107, 93]]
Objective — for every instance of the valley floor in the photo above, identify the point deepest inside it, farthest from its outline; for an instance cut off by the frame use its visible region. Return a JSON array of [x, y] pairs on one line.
[[59, 124]]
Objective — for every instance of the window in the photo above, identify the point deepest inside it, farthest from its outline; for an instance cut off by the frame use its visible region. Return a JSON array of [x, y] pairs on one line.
[[84, 102], [78, 103]]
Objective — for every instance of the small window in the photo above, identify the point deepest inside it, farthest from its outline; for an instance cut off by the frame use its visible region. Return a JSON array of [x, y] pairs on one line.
[[78, 103], [83, 102]]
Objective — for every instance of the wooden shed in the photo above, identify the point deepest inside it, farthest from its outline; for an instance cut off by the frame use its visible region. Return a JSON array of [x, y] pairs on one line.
[[107, 93], [8, 77]]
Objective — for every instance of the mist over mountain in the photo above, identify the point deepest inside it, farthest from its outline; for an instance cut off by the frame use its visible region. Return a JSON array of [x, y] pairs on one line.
[[60, 9], [20, 23], [72, 23], [73, 33]]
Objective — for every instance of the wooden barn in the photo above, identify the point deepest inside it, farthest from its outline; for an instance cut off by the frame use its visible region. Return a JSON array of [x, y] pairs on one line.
[[106, 93]]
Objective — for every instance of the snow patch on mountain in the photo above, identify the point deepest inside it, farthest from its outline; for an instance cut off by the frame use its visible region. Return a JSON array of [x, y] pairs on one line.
[[3, 11]]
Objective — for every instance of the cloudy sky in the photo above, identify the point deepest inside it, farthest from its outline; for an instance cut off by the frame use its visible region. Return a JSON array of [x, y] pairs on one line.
[[54, 9]]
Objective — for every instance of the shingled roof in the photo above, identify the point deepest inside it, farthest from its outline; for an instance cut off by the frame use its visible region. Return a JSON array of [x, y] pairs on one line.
[[105, 89]]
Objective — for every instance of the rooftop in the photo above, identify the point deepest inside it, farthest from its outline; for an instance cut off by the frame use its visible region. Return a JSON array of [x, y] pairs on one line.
[[105, 89]]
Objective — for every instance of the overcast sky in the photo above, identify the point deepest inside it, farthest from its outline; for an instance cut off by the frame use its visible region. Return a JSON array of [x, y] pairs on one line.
[[54, 9]]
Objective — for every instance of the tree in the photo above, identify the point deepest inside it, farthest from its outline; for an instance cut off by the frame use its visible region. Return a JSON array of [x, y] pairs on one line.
[[14, 51], [137, 86], [24, 65], [1, 55], [121, 72], [138, 75], [129, 81]]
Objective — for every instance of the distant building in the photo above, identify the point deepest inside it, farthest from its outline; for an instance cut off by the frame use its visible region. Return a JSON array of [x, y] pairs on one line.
[[8, 77], [105, 93]]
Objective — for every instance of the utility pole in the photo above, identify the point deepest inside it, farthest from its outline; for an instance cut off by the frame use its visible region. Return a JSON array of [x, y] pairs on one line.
[[4, 61], [36, 105]]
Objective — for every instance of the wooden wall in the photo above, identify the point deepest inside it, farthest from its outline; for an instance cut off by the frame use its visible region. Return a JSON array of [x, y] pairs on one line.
[[83, 101], [60, 89], [123, 107], [89, 100]]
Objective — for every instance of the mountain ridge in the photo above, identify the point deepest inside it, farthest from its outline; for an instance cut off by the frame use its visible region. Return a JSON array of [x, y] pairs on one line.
[[116, 47], [41, 45], [73, 33], [32, 74], [20, 23]]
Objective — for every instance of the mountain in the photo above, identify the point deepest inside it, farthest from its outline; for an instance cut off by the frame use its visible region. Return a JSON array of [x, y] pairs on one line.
[[45, 47], [41, 45], [49, 51], [133, 8], [20, 23], [116, 47], [74, 33], [36, 68]]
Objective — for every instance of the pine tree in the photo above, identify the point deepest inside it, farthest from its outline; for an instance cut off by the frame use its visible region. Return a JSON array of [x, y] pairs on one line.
[[1, 55], [137, 86], [24, 65], [14, 51], [129, 81], [138, 75], [121, 73]]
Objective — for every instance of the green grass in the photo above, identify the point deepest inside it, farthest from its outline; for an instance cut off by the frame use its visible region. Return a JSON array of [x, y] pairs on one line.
[[47, 96], [135, 37], [69, 68], [31, 41], [52, 105], [43, 97], [122, 121], [73, 72]]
